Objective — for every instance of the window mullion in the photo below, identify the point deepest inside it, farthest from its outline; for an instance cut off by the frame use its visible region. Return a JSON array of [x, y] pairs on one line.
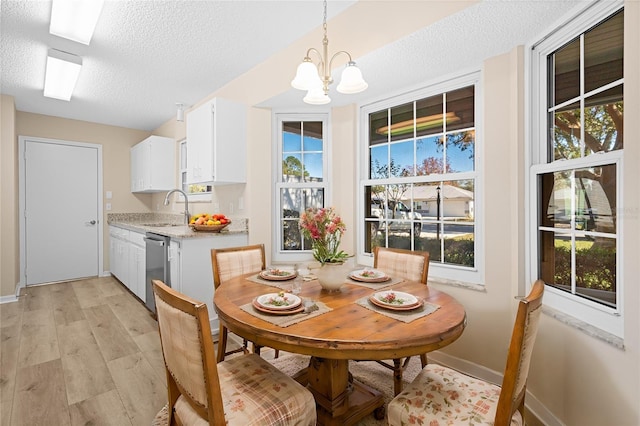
[[444, 131], [573, 232], [582, 133]]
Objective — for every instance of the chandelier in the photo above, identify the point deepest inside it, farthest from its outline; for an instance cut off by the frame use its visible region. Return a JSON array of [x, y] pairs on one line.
[[316, 79]]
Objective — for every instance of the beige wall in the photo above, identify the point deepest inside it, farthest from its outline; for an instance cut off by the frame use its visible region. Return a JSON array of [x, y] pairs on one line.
[[9, 246]]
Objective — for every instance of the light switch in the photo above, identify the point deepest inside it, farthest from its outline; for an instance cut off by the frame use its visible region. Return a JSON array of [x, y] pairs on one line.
[[109, 196]]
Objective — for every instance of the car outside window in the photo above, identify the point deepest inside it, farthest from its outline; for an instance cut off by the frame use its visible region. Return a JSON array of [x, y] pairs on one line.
[[420, 177]]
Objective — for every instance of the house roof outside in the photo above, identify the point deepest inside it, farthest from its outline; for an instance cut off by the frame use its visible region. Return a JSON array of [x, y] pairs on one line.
[[447, 192]]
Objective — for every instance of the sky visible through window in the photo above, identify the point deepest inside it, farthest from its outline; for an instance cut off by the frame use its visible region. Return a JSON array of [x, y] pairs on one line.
[[307, 150], [429, 147]]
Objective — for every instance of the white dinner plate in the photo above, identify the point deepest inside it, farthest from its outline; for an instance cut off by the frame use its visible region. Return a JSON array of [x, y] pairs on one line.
[[369, 275], [395, 299], [276, 302], [274, 274]]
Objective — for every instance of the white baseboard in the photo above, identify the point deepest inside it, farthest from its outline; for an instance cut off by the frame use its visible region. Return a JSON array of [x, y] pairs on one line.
[[215, 326], [467, 367], [8, 299], [532, 403], [540, 411], [13, 298]]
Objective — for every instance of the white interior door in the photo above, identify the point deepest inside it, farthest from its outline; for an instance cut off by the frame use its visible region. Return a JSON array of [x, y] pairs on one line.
[[61, 211]]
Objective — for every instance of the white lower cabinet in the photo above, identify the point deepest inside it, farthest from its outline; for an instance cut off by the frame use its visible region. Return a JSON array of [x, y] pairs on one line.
[[194, 274], [119, 253], [137, 265], [189, 263], [174, 263], [128, 259]]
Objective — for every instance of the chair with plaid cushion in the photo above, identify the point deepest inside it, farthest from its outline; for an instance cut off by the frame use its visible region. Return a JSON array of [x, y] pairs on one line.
[[228, 263], [440, 395], [244, 390], [410, 265]]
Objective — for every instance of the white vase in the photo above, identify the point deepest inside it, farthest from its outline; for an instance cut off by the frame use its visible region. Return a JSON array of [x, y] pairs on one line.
[[332, 276]]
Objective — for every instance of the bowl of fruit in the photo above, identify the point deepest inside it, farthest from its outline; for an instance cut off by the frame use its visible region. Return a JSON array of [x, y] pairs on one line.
[[205, 222]]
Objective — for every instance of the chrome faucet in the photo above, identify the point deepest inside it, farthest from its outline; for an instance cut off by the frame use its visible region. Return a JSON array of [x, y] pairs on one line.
[[186, 202]]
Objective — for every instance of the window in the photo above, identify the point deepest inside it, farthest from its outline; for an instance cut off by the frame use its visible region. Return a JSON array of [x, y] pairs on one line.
[[301, 179], [196, 192], [576, 176], [421, 177]]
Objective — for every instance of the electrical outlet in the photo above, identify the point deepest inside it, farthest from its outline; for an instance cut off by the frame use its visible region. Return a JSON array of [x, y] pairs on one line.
[[241, 203], [216, 207], [230, 208], [108, 206]]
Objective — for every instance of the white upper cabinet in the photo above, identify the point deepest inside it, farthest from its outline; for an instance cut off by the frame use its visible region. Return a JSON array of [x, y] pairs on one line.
[[153, 165], [216, 143]]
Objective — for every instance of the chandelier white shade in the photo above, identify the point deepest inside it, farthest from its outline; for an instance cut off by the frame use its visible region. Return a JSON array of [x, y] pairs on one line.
[[61, 74], [75, 19], [306, 76], [316, 79], [351, 80], [317, 96]]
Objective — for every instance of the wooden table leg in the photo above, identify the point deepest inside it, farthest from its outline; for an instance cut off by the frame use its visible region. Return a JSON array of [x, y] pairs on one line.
[[340, 399]]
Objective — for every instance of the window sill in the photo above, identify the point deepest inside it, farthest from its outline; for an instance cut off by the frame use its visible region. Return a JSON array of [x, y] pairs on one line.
[[193, 198], [459, 284], [586, 328], [199, 201]]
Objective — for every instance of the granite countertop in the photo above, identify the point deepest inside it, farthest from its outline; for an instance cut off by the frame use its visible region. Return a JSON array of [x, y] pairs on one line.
[[170, 225]]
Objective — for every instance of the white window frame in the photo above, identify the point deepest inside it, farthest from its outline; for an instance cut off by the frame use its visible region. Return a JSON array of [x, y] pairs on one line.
[[592, 314], [194, 197], [444, 273], [278, 254]]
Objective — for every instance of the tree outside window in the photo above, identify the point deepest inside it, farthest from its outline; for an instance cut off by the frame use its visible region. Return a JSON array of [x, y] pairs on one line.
[[301, 182], [420, 189], [578, 230]]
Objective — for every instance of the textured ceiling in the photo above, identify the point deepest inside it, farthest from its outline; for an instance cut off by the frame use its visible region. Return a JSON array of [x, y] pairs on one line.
[[147, 55]]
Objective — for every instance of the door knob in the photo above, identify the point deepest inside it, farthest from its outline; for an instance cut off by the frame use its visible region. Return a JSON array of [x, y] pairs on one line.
[[93, 222]]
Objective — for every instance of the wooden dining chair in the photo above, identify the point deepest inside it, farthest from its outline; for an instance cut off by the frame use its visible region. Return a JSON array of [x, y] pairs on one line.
[[228, 263], [410, 265], [455, 398], [244, 390]]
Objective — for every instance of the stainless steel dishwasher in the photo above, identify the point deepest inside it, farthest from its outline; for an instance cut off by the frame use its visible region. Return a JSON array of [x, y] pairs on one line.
[[157, 265]]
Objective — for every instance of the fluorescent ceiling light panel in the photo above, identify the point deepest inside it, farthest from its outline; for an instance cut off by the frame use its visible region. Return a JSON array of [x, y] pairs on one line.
[[61, 74], [75, 19]]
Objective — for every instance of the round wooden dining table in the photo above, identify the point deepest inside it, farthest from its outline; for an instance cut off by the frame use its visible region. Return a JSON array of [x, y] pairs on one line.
[[348, 332]]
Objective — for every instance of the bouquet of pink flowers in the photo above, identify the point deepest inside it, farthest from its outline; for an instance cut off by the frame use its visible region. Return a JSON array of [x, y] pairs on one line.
[[324, 228]]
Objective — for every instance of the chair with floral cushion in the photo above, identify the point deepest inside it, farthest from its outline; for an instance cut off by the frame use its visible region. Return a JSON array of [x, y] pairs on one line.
[[410, 265], [228, 263], [244, 390], [440, 395]]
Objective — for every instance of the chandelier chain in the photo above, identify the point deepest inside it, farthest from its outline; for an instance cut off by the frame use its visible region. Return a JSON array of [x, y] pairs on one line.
[[324, 18], [317, 78]]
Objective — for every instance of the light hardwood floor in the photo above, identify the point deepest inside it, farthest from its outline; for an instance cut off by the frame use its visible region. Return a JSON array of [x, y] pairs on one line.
[[79, 353]]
